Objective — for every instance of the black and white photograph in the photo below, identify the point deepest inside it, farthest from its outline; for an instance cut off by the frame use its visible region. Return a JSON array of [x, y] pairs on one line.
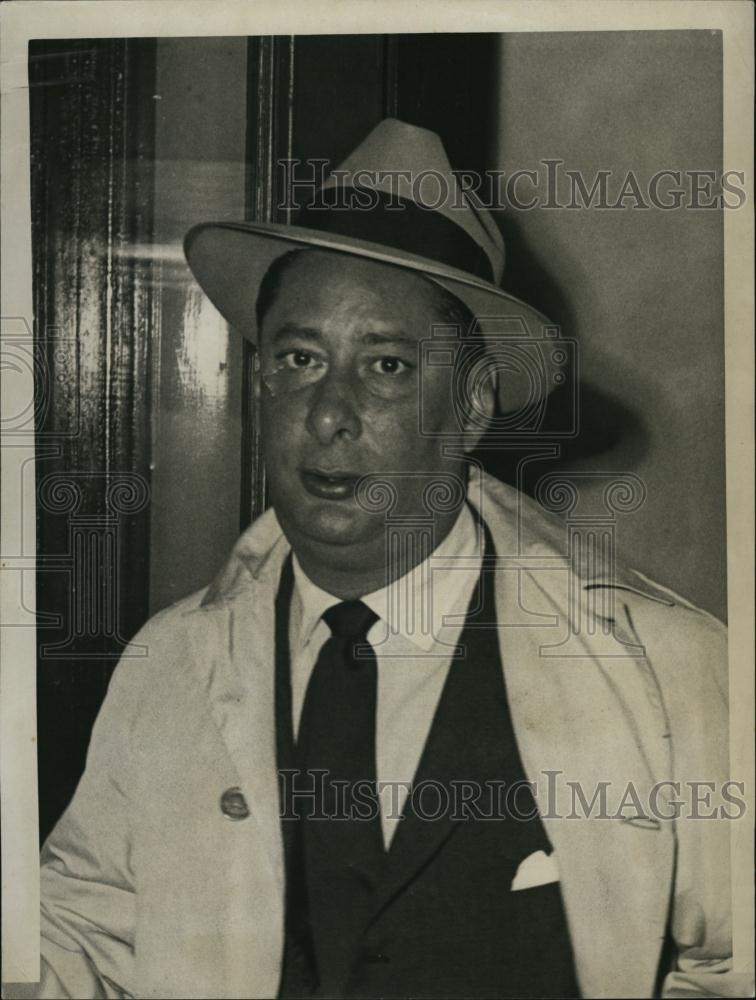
[[377, 500]]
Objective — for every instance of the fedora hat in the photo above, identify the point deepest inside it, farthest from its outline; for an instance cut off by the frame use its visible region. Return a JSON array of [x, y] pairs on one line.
[[394, 200]]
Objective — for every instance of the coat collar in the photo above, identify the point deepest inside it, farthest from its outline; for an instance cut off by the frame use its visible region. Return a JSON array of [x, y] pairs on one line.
[[400, 604]]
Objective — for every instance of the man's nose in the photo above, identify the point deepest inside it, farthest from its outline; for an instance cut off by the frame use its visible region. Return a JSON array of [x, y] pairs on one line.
[[334, 410]]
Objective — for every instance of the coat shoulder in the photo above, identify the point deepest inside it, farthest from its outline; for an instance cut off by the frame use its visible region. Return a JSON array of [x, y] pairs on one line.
[[685, 645], [658, 610], [154, 663]]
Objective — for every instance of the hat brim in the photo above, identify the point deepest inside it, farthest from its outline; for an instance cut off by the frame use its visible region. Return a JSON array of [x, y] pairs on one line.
[[229, 260]]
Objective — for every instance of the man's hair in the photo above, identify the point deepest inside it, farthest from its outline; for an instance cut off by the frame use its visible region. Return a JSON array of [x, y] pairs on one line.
[[449, 308]]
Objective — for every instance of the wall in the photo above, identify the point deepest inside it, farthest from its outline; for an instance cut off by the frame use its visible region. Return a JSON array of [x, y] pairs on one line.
[[642, 289], [196, 383]]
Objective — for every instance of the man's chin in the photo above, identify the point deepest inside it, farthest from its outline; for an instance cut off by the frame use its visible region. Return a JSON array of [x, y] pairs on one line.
[[329, 523]]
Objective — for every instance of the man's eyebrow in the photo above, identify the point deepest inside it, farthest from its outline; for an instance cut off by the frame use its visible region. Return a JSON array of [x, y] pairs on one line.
[[295, 330], [313, 333]]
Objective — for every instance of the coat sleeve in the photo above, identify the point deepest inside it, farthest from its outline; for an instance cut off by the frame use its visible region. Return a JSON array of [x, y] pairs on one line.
[[87, 885], [690, 658]]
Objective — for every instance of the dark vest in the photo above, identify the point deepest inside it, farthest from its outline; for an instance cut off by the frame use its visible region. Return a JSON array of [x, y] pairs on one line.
[[441, 919]]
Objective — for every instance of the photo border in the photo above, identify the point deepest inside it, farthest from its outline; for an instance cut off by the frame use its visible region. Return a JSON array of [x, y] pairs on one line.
[[22, 21]]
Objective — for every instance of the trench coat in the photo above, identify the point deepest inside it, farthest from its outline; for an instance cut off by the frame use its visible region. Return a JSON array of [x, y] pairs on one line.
[[150, 890]]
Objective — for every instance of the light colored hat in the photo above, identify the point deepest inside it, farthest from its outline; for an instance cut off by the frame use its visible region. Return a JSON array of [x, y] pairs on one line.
[[395, 200]]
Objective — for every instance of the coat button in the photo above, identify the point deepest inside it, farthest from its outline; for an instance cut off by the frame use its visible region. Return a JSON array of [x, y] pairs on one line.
[[375, 951], [376, 957], [233, 804]]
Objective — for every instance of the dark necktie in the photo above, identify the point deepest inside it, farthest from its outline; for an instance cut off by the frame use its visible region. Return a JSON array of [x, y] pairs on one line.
[[342, 839]]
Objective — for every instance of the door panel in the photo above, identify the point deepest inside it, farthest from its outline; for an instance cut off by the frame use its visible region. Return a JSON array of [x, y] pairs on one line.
[[196, 374], [91, 134]]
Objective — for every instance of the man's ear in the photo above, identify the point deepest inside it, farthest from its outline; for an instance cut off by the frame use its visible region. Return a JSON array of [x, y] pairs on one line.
[[480, 409]]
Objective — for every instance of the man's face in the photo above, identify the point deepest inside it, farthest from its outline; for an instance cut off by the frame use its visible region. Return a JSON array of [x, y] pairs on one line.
[[339, 392]]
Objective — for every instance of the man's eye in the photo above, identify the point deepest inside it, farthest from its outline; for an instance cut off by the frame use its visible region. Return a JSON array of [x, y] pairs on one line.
[[390, 366], [296, 360]]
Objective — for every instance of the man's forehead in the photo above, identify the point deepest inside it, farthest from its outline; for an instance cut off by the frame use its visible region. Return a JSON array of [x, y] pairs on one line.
[[373, 334], [317, 286]]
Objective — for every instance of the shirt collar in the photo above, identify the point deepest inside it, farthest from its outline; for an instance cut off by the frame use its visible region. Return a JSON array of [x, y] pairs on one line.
[[415, 605]]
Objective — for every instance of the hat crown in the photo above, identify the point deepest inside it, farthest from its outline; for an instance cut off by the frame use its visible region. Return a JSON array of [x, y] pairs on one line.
[[394, 145], [409, 162]]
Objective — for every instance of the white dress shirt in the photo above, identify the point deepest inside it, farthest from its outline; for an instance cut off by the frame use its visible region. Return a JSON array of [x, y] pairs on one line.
[[420, 617]]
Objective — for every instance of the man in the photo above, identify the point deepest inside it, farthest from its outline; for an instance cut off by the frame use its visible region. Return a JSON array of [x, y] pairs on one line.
[[349, 767]]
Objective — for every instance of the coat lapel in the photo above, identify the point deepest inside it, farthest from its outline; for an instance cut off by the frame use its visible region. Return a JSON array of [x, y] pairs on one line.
[[238, 668], [583, 720]]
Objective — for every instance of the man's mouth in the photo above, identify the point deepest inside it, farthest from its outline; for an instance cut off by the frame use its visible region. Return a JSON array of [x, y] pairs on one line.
[[331, 484]]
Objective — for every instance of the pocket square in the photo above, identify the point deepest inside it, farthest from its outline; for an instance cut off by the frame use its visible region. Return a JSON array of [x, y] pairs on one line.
[[538, 868]]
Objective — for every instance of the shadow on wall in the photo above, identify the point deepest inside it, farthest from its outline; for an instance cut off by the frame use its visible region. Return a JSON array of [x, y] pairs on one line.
[[442, 101], [605, 422]]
